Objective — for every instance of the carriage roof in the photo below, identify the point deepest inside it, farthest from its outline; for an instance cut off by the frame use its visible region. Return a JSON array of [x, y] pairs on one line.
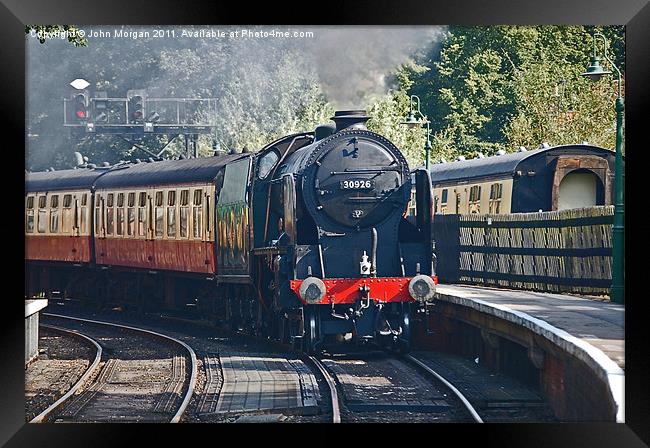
[[505, 164], [166, 172]]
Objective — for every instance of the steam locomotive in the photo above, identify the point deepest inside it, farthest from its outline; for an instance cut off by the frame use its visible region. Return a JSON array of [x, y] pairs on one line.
[[306, 240]]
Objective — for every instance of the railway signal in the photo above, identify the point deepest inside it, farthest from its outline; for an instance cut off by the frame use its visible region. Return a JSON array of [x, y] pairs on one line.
[[100, 107], [137, 114], [80, 106], [136, 99]]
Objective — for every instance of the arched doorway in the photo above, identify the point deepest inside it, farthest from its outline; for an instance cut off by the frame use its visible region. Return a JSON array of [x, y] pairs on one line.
[[578, 189]]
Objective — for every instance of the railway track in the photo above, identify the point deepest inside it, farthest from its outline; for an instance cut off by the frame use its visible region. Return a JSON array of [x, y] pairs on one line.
[[382, 388], [241, 379], [475, 415], [244, 379], [90, 370], [142, 377], [331, 384]]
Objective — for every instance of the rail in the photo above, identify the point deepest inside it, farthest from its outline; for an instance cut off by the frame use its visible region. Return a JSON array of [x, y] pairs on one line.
[[477, 418], [89, 371], [192, 382], [336, 412]]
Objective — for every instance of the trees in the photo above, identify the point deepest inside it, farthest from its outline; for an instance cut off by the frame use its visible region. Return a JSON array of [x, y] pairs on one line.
[[262, 89], [501, 87], [482, 88], [69, 32]]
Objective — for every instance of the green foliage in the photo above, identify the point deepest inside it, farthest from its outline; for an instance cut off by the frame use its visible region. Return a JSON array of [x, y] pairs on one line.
[[482, 89], [388, 112], [69, 32], [263, 90], [496, 87]]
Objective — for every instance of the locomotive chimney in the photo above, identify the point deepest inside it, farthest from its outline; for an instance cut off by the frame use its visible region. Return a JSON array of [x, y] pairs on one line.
[[353, 119]]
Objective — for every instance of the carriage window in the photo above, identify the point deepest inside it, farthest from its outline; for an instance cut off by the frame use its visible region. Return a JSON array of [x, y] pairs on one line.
[[159, 198], [109, 220], [475, 194], [443, 200], [65, 214], [475, 199], [42, 220], [130, 226], [120, 221], [159, 221], [198, 223], [183, 222], [109, 200], [184, 212], [82, 223], [198, 195], [171, 198], [84, 199], [496, 191], [266, 163], [54, 214], [142, 214], [120, 199], [171, 221], [41, 201], [131, 200], [29, 224], [54, 221]]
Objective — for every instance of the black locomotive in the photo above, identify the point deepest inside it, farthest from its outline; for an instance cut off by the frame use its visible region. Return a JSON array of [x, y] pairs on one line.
[[306, 240]]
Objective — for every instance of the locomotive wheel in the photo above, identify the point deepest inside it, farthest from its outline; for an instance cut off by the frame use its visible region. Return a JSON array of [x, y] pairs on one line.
[[282, 327], [312, 330], [404, 340], [295, 327]]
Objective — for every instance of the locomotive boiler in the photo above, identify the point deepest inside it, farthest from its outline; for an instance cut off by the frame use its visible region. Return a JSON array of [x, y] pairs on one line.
[[306, 240]]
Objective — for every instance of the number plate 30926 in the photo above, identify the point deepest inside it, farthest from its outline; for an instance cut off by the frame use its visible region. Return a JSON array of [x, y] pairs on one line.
[[357, 184]]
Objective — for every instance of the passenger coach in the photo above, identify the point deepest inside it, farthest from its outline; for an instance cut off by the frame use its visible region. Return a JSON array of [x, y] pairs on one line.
[[546, 179]]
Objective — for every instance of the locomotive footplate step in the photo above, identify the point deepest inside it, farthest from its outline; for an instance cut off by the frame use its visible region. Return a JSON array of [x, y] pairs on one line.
[[379, 383], [266, 382], [481, 386]]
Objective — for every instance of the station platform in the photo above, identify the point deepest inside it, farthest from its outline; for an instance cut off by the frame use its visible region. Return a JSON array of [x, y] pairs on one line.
[[591, 330]]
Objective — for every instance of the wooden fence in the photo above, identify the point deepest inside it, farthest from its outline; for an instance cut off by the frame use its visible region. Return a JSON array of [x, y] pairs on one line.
[[565, 251]]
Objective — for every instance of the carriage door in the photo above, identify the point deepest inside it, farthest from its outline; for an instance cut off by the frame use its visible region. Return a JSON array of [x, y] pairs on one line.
[[232, 221], [100, 227]]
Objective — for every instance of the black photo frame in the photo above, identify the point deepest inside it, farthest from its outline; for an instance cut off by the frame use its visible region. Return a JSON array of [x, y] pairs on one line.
[[635, 14]]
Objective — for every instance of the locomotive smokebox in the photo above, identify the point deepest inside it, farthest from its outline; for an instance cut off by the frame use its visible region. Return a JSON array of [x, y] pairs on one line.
[[353, 119]]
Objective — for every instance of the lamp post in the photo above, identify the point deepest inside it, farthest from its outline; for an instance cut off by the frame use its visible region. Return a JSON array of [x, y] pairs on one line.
[[411, 121], [595, 71]]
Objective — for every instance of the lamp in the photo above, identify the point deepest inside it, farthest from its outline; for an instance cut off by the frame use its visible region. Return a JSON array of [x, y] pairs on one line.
[[595, 71], [411, 121]]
